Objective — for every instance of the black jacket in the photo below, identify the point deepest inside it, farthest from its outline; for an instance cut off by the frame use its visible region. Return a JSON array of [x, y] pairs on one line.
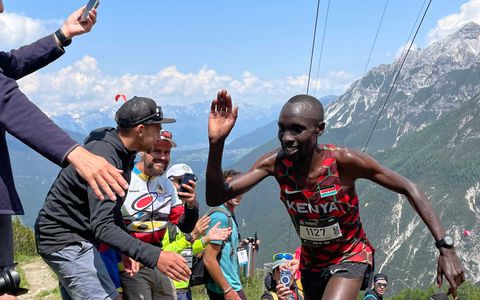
[[73, 213]]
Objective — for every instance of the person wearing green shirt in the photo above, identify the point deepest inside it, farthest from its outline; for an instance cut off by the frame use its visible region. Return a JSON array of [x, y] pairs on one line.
[[192, 243]]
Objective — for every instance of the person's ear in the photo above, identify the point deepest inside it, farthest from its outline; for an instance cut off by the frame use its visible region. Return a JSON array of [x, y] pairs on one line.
[[320, 128], [140, 130]]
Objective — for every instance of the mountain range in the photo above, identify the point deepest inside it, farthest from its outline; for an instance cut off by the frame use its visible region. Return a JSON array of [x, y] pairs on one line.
[[429, 132]]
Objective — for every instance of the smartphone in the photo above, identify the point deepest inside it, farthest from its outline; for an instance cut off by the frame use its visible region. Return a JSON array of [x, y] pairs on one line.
[[285, 276], [185, 180], [90, 5]]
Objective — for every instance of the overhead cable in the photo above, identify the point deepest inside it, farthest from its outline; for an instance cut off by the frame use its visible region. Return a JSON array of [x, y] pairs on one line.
[[313, 46], [395, 78], [321, 48]]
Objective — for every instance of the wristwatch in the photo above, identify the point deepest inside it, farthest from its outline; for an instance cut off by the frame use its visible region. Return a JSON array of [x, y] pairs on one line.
[[445, 242], [64, 41], [189, 238]]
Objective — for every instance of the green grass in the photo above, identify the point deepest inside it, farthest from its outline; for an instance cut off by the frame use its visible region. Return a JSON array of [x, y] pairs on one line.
[[51, 294], [253, 287]]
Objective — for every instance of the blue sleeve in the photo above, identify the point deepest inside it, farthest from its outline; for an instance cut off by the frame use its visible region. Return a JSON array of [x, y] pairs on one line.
[[214, 219]]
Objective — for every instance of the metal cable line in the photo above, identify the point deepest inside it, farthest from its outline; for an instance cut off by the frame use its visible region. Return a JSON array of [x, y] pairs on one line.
[[313, 46], [321, 48], [396, 77]]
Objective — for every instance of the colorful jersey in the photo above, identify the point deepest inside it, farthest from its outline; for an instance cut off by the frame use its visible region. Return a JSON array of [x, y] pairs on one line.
[[151, 202], [326, 216]]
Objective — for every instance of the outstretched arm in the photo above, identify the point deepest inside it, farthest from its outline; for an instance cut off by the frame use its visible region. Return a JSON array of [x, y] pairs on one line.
[[27, 59], [354, 165], [221, 121]]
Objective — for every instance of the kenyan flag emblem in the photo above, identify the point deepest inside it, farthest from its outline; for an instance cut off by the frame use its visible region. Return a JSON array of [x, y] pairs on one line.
[[328, 191]]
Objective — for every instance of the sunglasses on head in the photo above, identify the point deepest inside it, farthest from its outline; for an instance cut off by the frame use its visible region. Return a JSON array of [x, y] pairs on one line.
[[279, 256], [156, 116]]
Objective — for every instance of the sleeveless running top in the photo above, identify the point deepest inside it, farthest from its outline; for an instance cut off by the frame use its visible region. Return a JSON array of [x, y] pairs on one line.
[[326, 217]]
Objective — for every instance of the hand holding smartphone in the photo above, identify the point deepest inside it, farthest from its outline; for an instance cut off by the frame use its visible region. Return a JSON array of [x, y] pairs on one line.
[[186, 180], [90, 5]]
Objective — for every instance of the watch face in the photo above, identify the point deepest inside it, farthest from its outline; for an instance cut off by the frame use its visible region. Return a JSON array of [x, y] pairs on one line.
[[448, 240]]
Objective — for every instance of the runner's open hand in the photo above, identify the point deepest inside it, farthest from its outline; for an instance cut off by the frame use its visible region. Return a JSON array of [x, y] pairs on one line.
[[222, 116]]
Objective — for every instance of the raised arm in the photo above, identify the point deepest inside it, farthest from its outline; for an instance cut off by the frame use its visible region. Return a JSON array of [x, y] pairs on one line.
[[221, 121], [30, 58], [354, 165]]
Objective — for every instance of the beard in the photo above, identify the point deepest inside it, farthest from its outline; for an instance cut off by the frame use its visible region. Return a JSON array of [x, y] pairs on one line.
[[152, 169]]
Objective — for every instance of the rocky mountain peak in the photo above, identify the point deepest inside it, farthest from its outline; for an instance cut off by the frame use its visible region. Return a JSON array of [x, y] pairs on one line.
[[471, 30]]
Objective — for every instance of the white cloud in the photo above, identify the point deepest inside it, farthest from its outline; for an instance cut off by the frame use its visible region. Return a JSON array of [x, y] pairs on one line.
[[403, 49], [17, 30], [470, 11], [83, 87]]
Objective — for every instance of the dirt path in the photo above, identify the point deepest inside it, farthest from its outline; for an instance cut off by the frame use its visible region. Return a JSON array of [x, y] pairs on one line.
[[40, 279]]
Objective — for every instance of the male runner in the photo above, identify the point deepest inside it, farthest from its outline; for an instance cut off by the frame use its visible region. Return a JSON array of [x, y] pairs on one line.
[[317, 187]]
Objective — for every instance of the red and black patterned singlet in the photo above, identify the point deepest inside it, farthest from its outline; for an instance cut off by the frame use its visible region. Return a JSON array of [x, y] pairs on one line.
[[326, 217]]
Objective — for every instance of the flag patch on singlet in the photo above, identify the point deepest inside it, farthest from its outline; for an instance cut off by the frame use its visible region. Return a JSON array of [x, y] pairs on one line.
[[328, 191]]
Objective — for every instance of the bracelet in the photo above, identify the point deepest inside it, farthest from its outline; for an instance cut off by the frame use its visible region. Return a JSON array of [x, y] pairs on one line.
[[64, 41], [227, 290]]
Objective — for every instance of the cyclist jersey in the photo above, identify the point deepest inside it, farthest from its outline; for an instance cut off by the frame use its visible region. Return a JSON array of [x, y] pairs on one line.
[[150, 203], [326, 217]]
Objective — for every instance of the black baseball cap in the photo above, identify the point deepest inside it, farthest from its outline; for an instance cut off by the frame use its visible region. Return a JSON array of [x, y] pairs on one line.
[[140, 110], [380, 276]]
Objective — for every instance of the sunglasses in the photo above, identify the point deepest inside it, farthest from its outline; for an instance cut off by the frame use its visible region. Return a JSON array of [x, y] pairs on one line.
[[279, 256], [156, 116], [382, 285]]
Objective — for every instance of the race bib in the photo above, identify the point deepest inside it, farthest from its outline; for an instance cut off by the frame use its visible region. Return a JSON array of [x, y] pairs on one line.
[[315, 232], [242, 256], [187, 254]]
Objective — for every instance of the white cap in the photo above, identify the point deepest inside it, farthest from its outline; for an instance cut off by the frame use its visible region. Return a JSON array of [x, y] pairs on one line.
[[178, 170]]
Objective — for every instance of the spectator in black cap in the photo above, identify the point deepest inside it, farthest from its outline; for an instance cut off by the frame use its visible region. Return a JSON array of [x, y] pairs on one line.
[[26, 122], [73, 221], [380, 282]]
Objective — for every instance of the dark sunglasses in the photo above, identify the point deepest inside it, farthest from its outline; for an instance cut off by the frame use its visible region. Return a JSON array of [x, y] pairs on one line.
[[156, 116], [382, 285]]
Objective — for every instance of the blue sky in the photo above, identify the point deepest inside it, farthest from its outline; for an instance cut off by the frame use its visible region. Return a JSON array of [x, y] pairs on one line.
[[189, 49]]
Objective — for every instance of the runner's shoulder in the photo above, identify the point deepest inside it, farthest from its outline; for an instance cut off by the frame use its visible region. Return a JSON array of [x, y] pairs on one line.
[[267, 161], [344, 154]]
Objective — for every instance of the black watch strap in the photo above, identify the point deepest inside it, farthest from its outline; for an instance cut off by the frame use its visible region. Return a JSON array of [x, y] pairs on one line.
[[189, 238], [64, 41], [445, 242]]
